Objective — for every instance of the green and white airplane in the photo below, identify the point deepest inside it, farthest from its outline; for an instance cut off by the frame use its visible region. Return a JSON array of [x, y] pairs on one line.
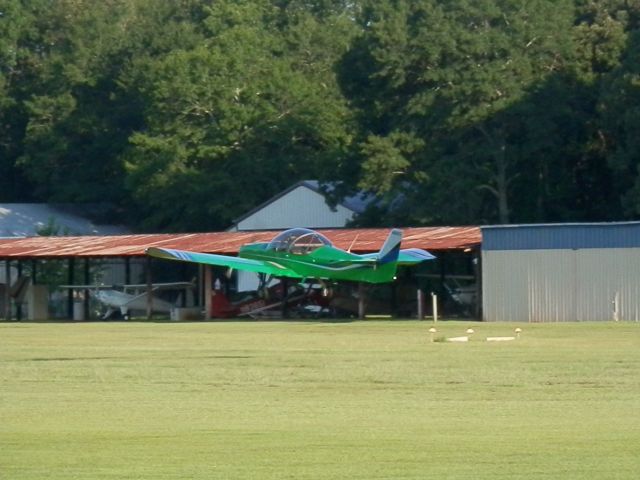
[[302, 253]]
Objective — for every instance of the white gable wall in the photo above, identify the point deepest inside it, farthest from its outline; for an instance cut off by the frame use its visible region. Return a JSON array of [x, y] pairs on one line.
[[301, 207]]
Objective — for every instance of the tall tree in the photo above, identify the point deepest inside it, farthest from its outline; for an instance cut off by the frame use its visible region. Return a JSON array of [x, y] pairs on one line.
[[442, 83], [79, 116], [232, 121], [17, 66], [188, 113], [613, 29]]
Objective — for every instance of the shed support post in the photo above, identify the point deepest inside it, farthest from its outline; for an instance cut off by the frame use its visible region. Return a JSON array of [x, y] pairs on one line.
[[420, 299], [70, 280], [127, 270], [185, 295], [18, 301], [200, 291], [34, 272], [147, 269], [7, 296], [443, 260], [207, 292], [434, 301], [86, 291]]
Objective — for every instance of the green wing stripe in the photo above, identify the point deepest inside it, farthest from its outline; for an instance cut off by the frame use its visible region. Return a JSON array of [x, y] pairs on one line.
[[221, 260]]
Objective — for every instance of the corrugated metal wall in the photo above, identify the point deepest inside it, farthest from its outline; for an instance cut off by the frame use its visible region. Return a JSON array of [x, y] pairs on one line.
[[561, 285]]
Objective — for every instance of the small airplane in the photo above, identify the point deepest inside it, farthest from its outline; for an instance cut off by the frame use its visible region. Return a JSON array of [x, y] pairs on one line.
[[130, 297], [303, 253]]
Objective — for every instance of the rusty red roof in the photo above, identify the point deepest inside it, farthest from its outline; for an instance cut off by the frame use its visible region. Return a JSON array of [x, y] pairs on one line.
[[358, 240]]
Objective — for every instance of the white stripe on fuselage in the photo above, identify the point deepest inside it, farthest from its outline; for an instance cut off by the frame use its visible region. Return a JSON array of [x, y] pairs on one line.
[[323, 267]]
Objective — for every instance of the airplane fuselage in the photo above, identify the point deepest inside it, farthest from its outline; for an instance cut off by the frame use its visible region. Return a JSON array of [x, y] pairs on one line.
[[303, 253], [325, 262]]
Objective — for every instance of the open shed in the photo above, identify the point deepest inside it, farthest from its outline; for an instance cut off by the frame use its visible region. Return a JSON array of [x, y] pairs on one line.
[[85, 249]]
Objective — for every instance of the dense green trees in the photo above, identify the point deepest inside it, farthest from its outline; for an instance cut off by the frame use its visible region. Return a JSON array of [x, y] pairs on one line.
[[500, 103], [237, 117], [185, 114]]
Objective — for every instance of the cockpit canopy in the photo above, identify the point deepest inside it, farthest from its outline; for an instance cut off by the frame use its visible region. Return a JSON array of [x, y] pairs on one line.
[[298, 241]]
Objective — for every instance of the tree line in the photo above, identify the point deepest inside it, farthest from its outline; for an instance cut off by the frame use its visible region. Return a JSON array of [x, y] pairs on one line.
[[184, 114]]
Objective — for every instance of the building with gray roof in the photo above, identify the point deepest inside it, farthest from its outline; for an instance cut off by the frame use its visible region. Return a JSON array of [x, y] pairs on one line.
[[31, 219], [304, 204]]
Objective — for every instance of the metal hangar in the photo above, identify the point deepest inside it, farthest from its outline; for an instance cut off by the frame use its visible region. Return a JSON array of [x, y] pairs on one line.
[[561, 272]]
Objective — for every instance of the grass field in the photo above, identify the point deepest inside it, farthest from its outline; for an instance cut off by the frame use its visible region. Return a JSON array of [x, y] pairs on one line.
[[303, 400]]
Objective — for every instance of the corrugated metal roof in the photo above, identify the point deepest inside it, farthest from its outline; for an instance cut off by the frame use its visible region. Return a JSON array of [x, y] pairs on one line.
[[359, 240], [561, 236]]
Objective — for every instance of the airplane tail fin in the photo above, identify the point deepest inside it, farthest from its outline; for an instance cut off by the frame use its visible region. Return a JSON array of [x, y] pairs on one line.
[[391, 248]]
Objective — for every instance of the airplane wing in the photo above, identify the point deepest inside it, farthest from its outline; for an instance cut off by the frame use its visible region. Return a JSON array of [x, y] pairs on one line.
[[257, 266]]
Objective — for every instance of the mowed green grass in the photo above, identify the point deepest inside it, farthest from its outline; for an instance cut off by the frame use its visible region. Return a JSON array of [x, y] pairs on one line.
[[302, 400]]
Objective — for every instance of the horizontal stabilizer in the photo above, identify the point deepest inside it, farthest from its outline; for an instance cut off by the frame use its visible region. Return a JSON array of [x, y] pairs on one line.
[[411, 256]]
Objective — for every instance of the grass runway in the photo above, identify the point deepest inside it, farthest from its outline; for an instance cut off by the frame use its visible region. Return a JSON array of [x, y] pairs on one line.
[[313, 400]]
